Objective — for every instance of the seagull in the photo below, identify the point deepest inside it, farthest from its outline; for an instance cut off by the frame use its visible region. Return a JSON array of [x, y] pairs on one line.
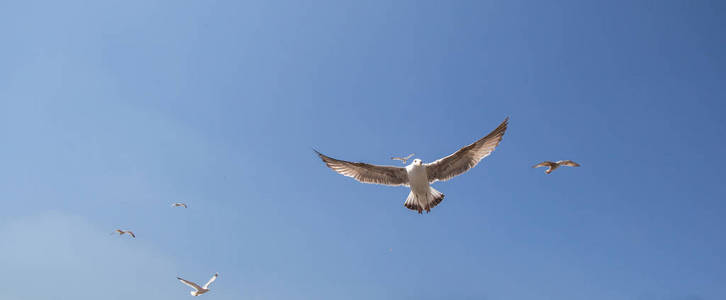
[[403, 159], [179, 204], [197, 289], [121, 232], [418, 175], [554, 165]]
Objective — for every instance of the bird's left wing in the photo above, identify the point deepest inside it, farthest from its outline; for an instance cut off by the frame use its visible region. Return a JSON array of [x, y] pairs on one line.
[[367, 173], [467, 157], [210, 281], [189, 283]]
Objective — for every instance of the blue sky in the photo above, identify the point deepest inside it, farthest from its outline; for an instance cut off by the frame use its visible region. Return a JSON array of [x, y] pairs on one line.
[[110, 112]]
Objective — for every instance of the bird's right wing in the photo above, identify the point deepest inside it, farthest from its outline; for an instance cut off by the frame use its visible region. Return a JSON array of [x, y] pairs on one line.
[[568, 163], [543, 164], [410, 155], [211, 280], [189, 283], [467, 157], [367, 173], [131, 234]]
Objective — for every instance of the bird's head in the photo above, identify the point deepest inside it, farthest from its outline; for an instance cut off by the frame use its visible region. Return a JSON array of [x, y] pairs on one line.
[[417, 162]]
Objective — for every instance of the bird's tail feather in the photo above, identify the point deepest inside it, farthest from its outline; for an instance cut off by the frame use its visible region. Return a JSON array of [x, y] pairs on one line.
[[423, 202]]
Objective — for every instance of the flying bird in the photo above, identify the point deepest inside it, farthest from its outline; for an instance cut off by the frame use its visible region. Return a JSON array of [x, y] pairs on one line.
[[418, 175], [121, 232], [554, 165], [179, 204], [403, 159], [198, 290]]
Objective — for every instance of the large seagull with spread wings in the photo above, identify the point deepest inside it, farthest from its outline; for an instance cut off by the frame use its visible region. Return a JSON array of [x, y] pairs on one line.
[[418, 175]]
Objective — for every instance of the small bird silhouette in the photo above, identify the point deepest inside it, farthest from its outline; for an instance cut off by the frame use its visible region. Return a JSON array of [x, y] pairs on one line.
[[554, 165], [121, 232], [179, 204], [198, 290], [403, 159]]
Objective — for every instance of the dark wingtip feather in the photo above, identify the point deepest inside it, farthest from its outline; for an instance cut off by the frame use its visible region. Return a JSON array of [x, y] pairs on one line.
[[320, 155]]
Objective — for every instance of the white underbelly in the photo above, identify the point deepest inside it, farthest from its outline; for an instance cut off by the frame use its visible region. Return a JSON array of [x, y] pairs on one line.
[[418, 180]]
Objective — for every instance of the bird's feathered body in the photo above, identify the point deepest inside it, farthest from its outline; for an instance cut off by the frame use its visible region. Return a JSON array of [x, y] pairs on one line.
[[198, 290], [122, 232], [422, 195], [403, 159], [551, 166], [418, 176]]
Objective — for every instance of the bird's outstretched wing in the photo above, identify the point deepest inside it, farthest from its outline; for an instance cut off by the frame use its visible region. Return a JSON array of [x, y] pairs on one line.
[[367, 173], [189, 283], [467, 157], [131, 234], [210, 281], [568, 163], [409, 156], [543, 164]]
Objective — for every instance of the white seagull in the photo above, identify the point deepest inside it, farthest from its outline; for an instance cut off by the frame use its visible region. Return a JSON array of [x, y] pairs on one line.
[[179, 204], [121, 232], [198, 290], [403, 159], [554, 165], [419, 175]]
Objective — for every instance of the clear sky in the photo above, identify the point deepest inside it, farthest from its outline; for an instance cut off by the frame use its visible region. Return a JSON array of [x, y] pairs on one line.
[[112, 110]]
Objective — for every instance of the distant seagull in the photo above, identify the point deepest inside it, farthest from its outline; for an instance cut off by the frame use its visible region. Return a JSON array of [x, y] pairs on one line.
[[197, 289], [403, 159], [418, 175], [554, 165], [179, 204], [121, 232]]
